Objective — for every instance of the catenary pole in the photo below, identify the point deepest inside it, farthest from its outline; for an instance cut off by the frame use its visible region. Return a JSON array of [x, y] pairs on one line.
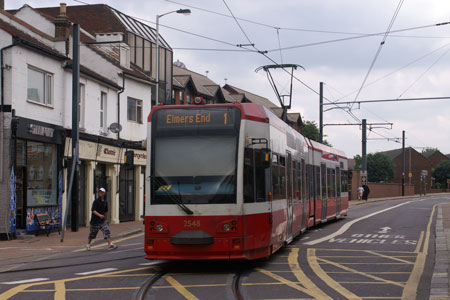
[[321, 112], [72, 192], [364, 148], [403, 163]]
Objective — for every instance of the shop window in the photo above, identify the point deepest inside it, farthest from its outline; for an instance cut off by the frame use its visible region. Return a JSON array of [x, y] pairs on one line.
[[41, 174], [134, 110], [39, 88], [103, 101]]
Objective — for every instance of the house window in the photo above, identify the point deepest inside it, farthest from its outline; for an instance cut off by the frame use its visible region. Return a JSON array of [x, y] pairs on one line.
[[39, 87], [181, 97], [188, 99], [134, 110], [82, 105], [103, 110]]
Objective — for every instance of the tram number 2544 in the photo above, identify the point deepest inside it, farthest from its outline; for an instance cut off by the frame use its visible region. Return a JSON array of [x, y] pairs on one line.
[[191, 223]]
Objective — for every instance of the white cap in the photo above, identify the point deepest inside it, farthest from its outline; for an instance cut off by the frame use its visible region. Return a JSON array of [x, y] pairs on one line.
[[102, 190]]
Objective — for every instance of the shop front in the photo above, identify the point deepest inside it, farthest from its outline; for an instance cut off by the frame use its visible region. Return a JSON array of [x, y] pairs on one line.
[[102, 165], [38, 177]]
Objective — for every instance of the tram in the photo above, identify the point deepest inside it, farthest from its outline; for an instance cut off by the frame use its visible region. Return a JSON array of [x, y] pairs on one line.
[[234, 181]]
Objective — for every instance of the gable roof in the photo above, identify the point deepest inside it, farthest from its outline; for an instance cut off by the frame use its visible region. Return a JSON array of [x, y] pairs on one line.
[[203, 85], [241, 95], [291, 117]]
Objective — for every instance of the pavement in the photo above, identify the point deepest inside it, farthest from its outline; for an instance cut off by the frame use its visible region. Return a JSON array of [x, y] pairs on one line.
[[43, 244]]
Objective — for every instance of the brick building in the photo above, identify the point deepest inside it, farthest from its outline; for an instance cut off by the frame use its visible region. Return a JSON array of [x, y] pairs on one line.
[[435, 158], [415, 162]]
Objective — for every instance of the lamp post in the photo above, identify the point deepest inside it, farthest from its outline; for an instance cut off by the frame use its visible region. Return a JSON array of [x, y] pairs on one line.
[[180, 11]]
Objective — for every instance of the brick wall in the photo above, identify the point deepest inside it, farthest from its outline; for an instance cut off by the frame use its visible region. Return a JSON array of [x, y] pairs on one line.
[[380, 190]]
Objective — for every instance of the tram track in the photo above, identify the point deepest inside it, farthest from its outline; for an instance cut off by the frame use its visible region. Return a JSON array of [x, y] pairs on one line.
[[145, 288]]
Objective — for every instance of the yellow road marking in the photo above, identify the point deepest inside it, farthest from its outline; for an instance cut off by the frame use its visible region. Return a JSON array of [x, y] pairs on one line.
[[356, 250], [361, 273], [20, 288], [390, 257], [312, 260], [115, 241], [180, 288], [419, 243], [60, 291], [301, 277], [364, 263], [365, 282], [337, 272], [410, 290], [133, 244], [285, 281]]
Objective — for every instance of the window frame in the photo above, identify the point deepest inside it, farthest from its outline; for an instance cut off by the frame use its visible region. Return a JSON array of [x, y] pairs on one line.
[[138, 110], [103, 110], [47, 87]]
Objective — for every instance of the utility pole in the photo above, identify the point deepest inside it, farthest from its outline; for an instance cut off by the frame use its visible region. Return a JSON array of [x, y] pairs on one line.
[[403, 163], [321, 113], [364, 153], [73, 191]]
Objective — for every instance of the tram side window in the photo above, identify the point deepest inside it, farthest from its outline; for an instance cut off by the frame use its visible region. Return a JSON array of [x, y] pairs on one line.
[[317, 182], [294, 179], [278, 177], [303, 180], [332, 183], [260, 176], [308, 179], [338, 182], [323, 174], [344, 183], [249, 193], [329, 182]]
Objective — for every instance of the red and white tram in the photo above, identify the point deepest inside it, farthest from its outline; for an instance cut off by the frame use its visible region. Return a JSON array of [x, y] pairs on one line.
[[233, 181]]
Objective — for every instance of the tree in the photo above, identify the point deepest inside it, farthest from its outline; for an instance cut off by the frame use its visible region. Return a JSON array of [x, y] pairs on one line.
[[358, 162], [429, 149], [311, 131], [442, 172], [380, 167]]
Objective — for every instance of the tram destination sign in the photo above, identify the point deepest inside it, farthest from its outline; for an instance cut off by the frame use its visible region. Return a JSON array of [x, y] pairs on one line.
[[197, 118]]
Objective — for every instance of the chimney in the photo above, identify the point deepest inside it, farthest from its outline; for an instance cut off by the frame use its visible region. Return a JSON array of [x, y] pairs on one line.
[[62, 24], [2, 4]]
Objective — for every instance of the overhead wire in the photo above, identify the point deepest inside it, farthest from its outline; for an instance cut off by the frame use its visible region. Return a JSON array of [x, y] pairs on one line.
[[294, 29], [379, 49], [423, 73]]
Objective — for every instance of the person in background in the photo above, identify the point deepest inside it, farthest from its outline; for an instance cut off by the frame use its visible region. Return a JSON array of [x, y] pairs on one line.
[[366, 192], [360, 192], [98, 220]]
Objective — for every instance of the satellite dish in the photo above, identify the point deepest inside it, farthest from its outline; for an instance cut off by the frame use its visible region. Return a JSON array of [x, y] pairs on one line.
[[115, 127]]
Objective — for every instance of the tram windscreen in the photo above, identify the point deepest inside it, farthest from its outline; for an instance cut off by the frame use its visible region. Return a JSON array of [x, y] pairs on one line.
[[194, 165]]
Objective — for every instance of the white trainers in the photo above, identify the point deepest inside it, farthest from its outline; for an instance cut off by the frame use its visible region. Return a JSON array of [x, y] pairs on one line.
[[88, 247], [111, 247]]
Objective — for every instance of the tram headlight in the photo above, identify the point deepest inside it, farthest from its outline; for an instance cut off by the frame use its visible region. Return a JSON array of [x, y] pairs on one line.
[[159, 228], [226, 227]]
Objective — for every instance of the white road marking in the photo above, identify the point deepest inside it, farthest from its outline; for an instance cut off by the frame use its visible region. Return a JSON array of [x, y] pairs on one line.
[[304, 238], [97, 271], [384, 229], [115, 251], [152, 263], [346, 226], [25, 281]]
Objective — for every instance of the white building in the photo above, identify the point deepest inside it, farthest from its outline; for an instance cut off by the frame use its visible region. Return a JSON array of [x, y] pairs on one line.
[[117, 80]]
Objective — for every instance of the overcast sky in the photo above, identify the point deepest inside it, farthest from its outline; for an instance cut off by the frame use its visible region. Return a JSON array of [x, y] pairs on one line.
[[412, 63]]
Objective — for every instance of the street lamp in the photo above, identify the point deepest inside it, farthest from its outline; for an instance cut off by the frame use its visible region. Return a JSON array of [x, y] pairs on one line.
[[180, 11]]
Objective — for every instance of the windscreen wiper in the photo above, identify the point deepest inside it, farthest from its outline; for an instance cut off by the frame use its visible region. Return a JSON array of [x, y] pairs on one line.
[[176, 200]]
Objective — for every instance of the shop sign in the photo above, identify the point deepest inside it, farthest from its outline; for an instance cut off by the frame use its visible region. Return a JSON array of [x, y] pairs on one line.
[[140, 157], [108, 153], [41, 130]]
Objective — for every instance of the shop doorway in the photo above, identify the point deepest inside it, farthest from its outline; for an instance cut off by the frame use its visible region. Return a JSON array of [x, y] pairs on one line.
[[126, 194]]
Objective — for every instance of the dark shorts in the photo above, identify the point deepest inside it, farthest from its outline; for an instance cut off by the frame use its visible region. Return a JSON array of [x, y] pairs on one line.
[[96, 227]]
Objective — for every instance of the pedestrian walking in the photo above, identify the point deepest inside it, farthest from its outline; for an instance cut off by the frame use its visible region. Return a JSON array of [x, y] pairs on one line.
[[366, 192], [99, 221], [360, 192]]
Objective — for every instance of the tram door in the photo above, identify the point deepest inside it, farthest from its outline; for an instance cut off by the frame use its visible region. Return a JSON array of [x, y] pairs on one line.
[[338, 191], [289, 195], [323, 173]]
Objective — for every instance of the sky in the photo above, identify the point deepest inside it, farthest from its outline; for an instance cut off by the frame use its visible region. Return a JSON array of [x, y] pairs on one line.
[[336, 42]]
